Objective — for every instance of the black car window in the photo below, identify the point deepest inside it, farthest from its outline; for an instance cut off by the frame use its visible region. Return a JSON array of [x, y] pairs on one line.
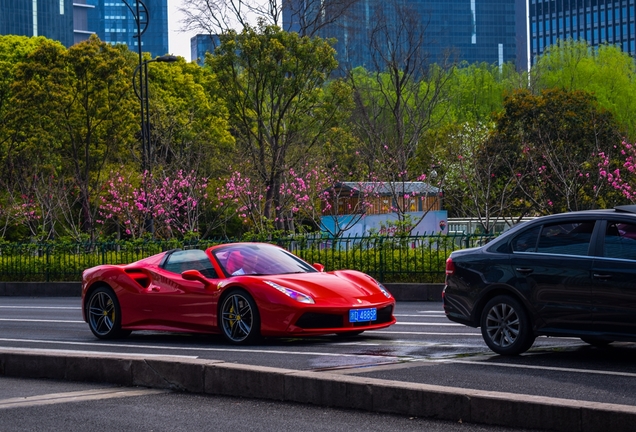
[[194, 259], [620, 240], [526, 241], [566, 238]]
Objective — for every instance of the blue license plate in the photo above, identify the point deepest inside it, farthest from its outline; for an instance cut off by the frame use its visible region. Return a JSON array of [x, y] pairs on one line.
[[363, 315]]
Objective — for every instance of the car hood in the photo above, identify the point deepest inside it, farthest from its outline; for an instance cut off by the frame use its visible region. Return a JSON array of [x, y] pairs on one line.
[[332, 285]]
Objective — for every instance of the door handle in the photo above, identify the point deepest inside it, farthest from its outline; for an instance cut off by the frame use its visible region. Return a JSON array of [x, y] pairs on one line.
[[524, 270], [602, 276]]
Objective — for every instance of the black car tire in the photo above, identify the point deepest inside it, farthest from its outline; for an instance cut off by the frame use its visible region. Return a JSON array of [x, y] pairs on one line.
[[239, 320], [505, 326], [596, 342], [104, 314]]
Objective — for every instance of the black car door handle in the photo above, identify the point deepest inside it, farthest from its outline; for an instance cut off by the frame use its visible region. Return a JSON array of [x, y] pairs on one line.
[[524, 270], [602, 276]]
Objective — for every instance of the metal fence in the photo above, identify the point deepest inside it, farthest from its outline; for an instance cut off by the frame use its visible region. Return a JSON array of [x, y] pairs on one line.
[[388, 259]]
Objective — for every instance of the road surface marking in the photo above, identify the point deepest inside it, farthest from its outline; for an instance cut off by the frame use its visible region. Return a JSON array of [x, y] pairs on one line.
[[430, 324], [421, 333], [180, 348], [42, 321], [41, 307], [547, 368], [77, 396]]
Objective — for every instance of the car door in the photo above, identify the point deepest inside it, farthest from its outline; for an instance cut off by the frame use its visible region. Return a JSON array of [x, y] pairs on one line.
[[614, 291], [555, 273], [183, 303]]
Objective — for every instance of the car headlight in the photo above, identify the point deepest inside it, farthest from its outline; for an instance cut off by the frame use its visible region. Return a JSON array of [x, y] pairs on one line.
[[298, 296], [383, 289]]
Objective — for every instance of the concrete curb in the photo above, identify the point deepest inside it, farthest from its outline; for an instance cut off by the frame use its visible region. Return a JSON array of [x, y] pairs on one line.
[[401, 291], [321, 388]]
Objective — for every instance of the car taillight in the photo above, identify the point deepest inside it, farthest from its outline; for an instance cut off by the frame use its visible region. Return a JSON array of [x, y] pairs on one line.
[[450, 266]]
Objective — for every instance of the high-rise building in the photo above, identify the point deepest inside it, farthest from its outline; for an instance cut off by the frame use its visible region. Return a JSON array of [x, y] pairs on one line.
[[201, 44], [81, 29], [49, 18], [114, 22], [468, 30], [595, 21]]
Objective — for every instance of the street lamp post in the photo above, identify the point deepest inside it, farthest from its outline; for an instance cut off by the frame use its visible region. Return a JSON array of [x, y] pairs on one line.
[[140, 85], [142, 93], [142, 18]]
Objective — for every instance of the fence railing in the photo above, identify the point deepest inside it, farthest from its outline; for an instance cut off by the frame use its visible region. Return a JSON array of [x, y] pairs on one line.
[[388, 259]]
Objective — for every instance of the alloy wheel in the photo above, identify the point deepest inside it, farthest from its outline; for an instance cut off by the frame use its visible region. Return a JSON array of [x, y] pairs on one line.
[[238, 318]]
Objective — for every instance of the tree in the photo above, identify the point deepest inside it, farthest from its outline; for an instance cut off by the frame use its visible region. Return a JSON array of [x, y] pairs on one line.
[[604, 71], [13, 160], [558, 136], [481, 181], [274, 83], [76, 115], [396, 100], [307, 17], [190, 130], [477, 91]]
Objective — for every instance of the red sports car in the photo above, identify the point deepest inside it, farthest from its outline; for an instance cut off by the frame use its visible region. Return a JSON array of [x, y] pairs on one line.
[[241, 290]]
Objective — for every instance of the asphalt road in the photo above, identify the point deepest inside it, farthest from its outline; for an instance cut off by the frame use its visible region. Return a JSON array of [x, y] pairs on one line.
[[424, 347], [42, 405]]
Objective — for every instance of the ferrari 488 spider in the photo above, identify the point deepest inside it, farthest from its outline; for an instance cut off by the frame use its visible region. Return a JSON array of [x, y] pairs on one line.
[[241, 290]]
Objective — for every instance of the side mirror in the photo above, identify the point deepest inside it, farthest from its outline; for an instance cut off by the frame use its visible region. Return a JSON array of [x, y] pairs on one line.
[[195, 275], [319, 267]]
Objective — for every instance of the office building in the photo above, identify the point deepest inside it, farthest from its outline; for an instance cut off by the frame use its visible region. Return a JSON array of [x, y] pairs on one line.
[[81, 29], [201, 44], [469, 30], [49, 18], [114, 22], [595, 21]]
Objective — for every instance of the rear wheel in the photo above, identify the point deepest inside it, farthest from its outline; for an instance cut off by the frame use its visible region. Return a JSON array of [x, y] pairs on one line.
[[505, 326], [239, 318], [104, 314], [596, 342]]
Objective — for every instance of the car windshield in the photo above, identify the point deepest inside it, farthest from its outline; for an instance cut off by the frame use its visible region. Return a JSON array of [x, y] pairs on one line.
[[259, 259]]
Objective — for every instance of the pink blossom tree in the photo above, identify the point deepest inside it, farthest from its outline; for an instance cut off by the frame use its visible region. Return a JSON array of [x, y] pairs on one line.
[[174, 204], [620, 173]]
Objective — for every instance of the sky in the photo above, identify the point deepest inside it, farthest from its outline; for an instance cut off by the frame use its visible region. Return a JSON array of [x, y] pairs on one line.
[[178, 42]]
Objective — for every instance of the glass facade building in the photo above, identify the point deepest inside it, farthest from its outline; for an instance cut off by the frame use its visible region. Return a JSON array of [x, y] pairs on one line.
[[114, 23], [81, 29], [595, 21], [49, 18], [470, 30], [201, 44]]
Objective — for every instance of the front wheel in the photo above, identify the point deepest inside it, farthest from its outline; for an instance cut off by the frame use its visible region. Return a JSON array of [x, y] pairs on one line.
[[505, 326], [104, 314], [239, 318]]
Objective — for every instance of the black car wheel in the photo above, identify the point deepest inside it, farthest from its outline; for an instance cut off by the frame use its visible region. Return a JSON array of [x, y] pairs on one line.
[[239, 318], [505, 326], [596, 342], [104, 314]]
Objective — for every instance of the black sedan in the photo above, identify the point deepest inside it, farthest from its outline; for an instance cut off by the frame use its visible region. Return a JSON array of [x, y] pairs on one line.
[[571, 274]]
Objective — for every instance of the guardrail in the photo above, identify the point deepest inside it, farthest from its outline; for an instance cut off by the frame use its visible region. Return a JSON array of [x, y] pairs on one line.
[[389, 259]]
